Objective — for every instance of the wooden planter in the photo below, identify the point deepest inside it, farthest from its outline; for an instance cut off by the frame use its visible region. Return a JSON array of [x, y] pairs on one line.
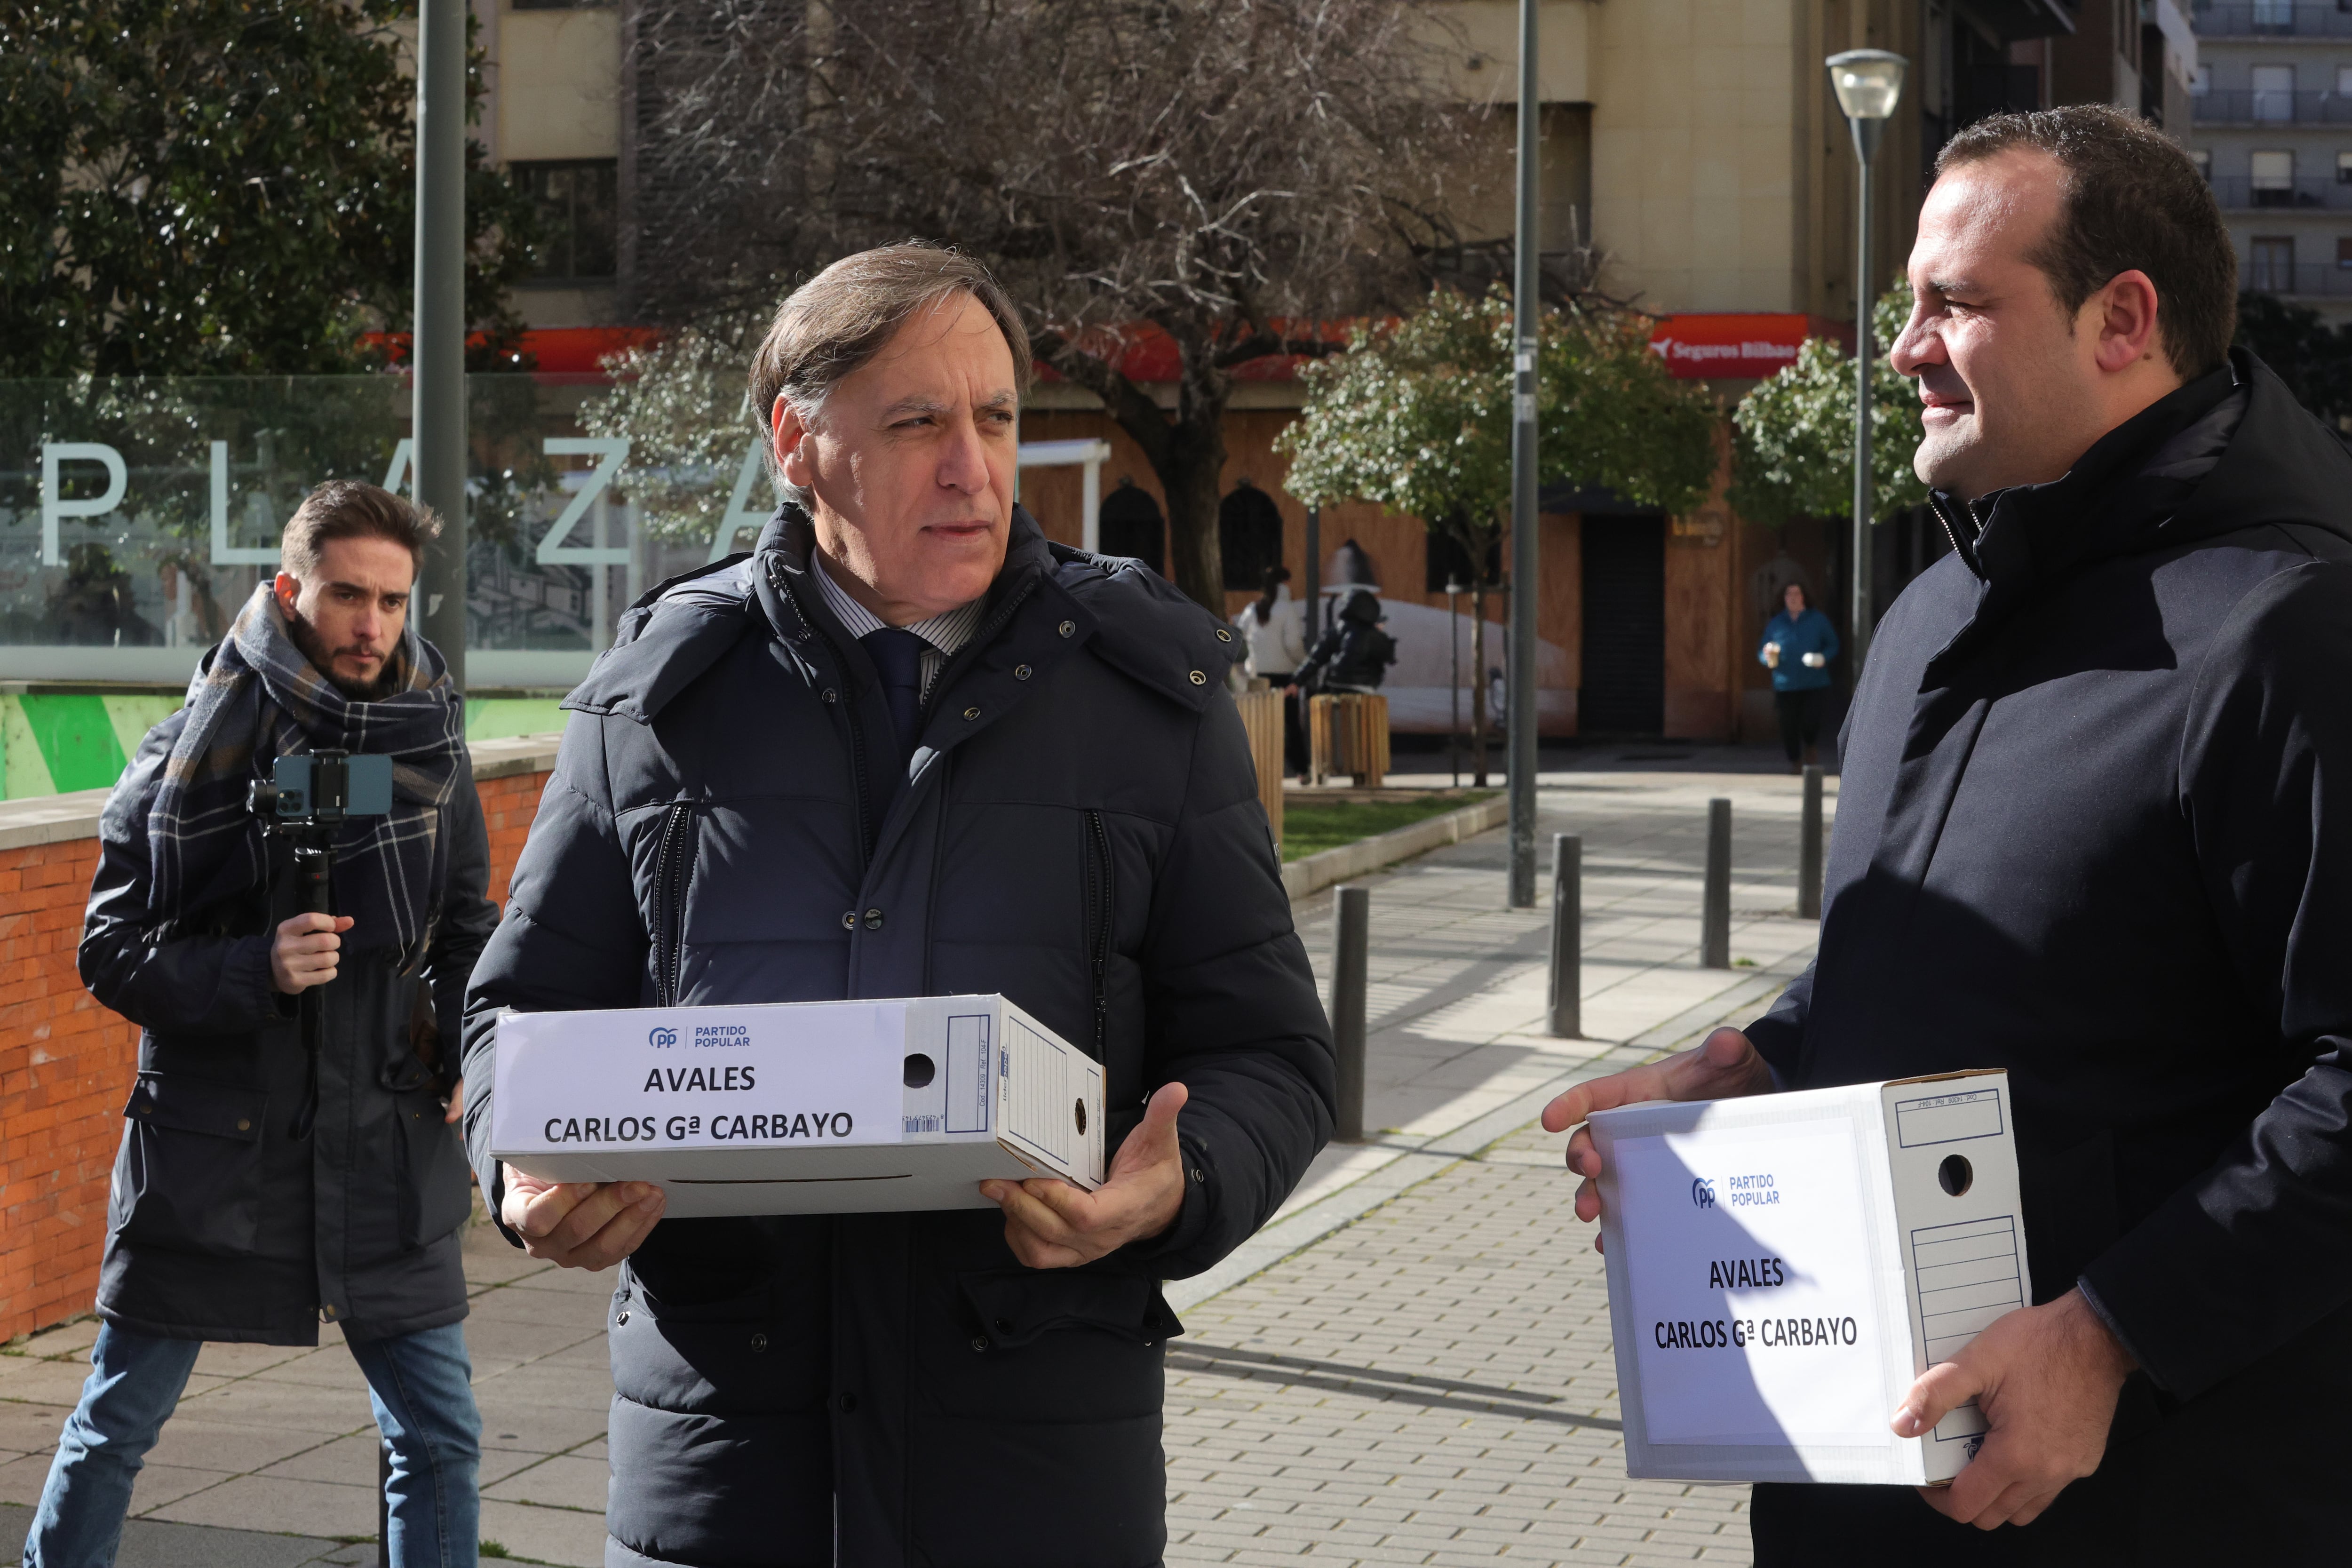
[[1348, 732], [1262, 717]]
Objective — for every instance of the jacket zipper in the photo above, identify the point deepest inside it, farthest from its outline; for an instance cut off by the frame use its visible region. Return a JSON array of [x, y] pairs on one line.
[[1099, 855], [848, 712], [673, 864]]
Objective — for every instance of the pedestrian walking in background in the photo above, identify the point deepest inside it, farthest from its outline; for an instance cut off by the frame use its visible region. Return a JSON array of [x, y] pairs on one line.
[[1273, 632], [1797, 649], [2094, 828], [259, 1192], [910, 747], [1354, 654]]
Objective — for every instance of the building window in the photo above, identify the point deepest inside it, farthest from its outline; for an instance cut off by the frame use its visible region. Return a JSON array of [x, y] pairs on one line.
[[1249, 536], [2273, 94], [2272, 181], [2344, 168], [2270, 266], [1129, 523], [2201, 82], [2344, 255], [578, 217], [2344, 81], [2203, 159]]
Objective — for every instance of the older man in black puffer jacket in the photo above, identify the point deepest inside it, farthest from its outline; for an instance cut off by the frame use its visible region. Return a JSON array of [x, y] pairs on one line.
[[909, 747]]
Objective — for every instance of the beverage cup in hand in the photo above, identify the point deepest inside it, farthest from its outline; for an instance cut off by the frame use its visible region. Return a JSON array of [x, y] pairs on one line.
[[1814, 661], [1722, 1066], [1771, 655]]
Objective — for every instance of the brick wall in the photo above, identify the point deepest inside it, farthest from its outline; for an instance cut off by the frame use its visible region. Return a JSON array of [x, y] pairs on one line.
[[67, 1065]]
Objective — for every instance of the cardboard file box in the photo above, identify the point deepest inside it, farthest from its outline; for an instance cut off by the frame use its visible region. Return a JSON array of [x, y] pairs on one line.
[[1781, 1268], [798, 1108]]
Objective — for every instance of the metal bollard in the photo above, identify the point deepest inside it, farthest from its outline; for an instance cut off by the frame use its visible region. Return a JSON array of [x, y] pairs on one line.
[[1808, 849], [1350, 933], [1714, 919], [1567, 936]]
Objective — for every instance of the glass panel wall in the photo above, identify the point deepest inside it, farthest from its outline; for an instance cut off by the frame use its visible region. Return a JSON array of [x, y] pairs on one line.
[[136, 516]]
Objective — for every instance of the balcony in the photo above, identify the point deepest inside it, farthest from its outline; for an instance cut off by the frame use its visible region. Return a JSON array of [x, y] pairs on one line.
[[2326, 20], [2242, 106], [2237, 193], [2309, 279]]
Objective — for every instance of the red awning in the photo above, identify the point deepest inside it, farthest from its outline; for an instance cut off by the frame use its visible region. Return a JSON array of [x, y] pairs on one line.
[[551, 350], [1728, 345]]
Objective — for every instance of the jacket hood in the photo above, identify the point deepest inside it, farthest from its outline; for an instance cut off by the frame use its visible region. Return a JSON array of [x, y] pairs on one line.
[[1134, 619], [1362, 606]]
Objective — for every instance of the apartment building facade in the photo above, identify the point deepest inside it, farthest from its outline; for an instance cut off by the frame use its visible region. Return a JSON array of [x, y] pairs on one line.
[[2273, 128]]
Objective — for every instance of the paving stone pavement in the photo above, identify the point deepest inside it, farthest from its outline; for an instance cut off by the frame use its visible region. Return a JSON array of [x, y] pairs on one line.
[[1411, 1364], [1430, 1379]]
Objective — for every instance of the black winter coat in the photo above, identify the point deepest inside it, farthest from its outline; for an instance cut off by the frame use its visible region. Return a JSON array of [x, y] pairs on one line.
[[221, 1226], [1354, 655], [1080, 831], [2095, 827]]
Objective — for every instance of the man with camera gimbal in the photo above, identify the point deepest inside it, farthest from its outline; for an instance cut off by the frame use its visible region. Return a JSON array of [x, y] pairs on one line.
[[286, 1158]]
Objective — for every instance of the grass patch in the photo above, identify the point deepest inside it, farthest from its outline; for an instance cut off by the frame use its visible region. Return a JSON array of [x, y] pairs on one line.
[[1311, 826]]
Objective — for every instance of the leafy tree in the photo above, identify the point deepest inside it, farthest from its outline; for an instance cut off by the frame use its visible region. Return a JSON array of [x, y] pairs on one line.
[[1793, 455], [2312, 356], [681, 404], [1416, 416], [1227, 171], [221, 188]]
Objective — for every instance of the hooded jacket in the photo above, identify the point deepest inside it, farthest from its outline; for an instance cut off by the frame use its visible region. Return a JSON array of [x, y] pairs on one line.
[[1078, 829], [1354, 654], [2094, 827]]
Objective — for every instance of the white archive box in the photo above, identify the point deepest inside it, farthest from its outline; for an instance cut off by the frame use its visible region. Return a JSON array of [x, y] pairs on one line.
[[1782, 1267], [799, 1107]]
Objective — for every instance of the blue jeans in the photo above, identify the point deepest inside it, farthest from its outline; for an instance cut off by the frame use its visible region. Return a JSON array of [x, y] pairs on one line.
[[421, 1385]]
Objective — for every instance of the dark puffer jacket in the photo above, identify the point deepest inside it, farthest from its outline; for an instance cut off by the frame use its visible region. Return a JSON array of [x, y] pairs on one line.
[[1080, 832], [221, 1226], [2094, 830], [1354, 654]]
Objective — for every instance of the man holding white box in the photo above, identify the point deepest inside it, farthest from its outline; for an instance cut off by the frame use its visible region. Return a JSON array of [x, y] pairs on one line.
[[910, 748], [2092, 832]]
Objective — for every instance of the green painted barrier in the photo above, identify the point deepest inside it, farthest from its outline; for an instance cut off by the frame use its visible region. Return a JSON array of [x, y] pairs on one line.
[[54, 743]]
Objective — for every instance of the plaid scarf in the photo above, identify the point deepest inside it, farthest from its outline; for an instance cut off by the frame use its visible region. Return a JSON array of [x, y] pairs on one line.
[[256, 697]]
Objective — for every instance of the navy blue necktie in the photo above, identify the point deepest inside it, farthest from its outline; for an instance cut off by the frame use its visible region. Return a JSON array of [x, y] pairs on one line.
[[898, 656]]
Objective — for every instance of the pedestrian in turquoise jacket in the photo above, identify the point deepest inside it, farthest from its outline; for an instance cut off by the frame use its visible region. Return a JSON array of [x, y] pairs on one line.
[[1797, 649]]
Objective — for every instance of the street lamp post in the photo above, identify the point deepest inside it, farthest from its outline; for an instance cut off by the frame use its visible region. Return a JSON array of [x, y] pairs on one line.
[[1520, 690], [1868, 83], [437, 341]]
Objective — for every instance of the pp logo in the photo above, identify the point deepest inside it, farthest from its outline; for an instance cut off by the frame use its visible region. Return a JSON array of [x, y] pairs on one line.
[[662, 1036], [1702, 1192]]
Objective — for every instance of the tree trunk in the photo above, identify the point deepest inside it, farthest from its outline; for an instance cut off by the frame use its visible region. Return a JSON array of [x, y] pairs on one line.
[[1190, 475], [1187, 453]]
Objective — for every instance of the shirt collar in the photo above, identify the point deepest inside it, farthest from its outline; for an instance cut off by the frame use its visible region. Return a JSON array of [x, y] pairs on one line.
[[947, 633]]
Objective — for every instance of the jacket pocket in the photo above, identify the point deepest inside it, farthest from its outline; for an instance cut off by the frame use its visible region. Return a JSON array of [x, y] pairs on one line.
[[436, 1183], [188, 1175], [1056, 1345]]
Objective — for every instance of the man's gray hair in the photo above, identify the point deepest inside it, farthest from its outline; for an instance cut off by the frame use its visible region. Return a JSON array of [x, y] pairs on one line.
[[836, 321]]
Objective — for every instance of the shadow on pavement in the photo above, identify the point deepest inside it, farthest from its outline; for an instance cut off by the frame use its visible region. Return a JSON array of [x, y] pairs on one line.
[[152, 1543]]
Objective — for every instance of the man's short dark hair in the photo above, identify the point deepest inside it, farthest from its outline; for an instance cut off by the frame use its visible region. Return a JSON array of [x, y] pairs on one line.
[[837, 321], [2131, 199], [352, 508]]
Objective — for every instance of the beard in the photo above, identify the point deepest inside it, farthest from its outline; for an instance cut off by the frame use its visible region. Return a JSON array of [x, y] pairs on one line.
[[323, 658]]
